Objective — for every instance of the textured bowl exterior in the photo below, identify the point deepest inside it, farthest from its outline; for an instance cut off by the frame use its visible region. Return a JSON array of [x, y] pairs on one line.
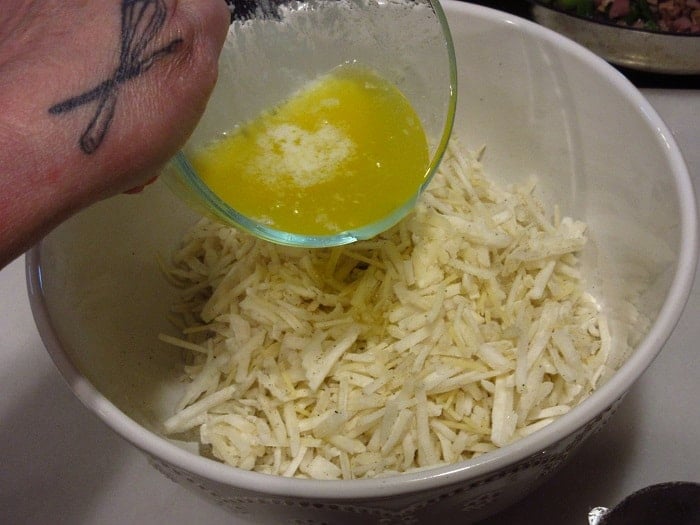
[[465, 501]]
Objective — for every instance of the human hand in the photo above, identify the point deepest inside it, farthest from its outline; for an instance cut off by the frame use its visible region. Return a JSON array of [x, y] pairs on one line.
[[94, 98]]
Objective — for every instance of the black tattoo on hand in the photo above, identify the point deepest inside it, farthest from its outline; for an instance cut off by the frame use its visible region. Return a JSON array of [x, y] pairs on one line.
[[141, 21]]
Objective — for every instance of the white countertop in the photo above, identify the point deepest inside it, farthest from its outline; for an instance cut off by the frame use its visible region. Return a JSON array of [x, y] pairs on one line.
[[60, 464]]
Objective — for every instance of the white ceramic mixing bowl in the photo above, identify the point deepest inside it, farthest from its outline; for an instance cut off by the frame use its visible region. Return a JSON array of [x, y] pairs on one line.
[[543, 106]]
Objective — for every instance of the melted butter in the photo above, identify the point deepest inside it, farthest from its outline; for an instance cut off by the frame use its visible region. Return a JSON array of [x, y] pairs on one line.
[[344, 152]]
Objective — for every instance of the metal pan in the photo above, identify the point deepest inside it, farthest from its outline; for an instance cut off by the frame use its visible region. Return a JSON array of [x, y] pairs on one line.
[[638, 49]]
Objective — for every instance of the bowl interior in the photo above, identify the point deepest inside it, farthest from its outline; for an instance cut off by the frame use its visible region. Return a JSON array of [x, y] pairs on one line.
[[270, 56], [540, 104]]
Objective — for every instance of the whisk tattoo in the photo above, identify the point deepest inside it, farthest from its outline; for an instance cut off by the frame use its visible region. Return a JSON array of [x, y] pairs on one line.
[[141, 21]]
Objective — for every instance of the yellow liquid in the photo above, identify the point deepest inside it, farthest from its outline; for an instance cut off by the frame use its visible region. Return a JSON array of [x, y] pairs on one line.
[[342, 153]]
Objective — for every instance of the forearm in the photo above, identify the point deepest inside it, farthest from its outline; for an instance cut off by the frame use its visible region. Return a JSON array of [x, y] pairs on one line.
[[24, 219], [32, 201]]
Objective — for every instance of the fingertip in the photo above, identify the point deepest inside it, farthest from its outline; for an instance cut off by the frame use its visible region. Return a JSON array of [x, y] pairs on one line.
[[141, 187]]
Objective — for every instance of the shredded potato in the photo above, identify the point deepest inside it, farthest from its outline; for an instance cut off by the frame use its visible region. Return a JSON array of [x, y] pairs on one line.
[[460, 330]]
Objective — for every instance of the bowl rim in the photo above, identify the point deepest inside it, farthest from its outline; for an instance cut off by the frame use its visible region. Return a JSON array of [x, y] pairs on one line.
[[544, 4], [372, 489]]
